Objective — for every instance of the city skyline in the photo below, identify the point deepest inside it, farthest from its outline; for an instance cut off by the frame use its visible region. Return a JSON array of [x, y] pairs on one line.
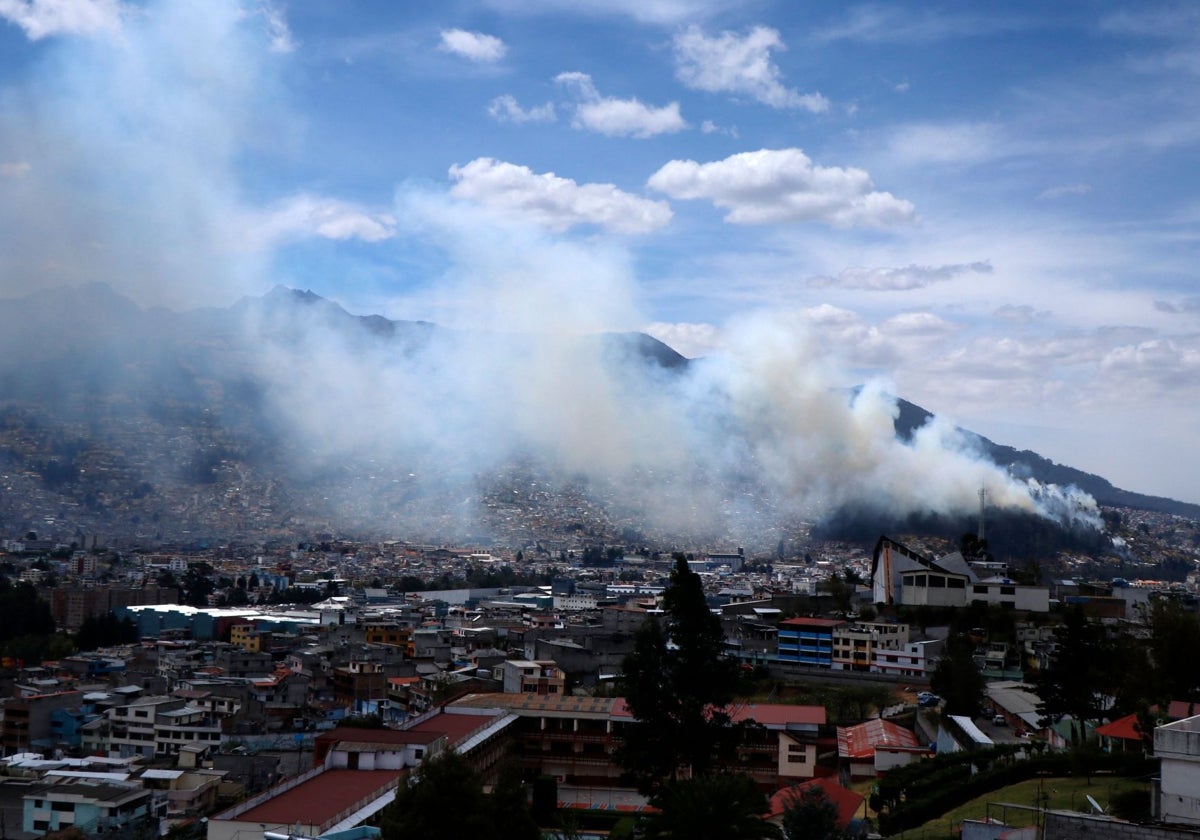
[[988, 211]]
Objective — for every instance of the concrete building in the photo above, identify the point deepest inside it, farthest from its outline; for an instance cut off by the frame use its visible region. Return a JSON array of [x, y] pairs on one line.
[[1178, 747], [902, 576], [857, 646], [807, 641], [522, 676], [92, 807], [29, 721]]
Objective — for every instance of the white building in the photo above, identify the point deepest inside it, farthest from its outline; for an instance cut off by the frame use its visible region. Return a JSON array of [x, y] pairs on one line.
[[1177, 746], [150, 726], [912, 659], [902, 576]]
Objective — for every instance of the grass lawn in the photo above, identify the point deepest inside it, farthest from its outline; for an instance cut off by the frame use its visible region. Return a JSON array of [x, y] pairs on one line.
[[1060, 793]]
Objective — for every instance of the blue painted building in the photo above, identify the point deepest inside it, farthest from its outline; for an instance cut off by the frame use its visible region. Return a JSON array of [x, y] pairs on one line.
[[807, 641]]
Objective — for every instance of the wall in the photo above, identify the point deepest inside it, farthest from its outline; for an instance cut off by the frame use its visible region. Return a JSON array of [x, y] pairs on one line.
[[1065, 826]]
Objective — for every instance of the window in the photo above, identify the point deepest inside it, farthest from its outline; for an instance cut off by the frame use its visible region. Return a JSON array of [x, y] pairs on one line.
[[957, 583], [979, 590], [418, 753], [937, 582], [1008, 590]]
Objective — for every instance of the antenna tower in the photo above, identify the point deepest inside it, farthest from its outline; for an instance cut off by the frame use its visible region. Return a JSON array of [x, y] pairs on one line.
[[982, 502]]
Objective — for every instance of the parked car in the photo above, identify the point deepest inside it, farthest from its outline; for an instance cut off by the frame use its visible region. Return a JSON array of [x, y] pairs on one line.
[[1000, 720], [927, 698]]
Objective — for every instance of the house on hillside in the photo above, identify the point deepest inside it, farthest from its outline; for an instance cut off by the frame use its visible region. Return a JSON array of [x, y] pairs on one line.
[[875, 746]]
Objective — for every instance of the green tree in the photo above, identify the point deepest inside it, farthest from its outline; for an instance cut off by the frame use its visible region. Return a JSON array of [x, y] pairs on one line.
[[811, 815], [1173, 630], [1078, 676], [956, 678], [841, 592], [716, 807], [679, 686], [445, 798]]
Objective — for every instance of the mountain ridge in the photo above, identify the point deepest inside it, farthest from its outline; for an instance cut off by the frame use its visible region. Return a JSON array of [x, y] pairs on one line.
[[115, 418]]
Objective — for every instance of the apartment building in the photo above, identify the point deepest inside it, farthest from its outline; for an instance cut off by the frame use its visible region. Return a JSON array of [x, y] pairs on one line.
[[89, 807], [523, 676], [857, 646], [149, 726], [807, 641]]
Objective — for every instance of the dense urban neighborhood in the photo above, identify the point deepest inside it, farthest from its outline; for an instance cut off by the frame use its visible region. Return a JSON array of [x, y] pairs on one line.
[[312, 689]]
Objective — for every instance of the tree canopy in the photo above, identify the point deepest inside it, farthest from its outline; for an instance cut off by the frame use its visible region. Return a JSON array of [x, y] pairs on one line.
[[811, 816], [716, 807], [678, 686], [956, 677], [1079, 676], [446, 799]]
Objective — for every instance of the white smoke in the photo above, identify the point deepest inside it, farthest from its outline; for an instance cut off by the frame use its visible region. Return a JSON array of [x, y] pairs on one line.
[[126, 156]]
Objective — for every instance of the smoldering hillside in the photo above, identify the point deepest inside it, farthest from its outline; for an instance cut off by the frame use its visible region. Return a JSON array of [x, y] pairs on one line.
[[284, 414]]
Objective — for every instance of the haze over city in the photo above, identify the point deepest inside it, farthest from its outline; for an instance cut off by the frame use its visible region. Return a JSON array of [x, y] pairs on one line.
[[988, 211]]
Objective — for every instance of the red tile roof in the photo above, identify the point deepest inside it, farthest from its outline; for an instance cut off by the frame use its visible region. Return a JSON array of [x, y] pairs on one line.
[[859, 742], [778, 714], [1125, 728], [322, 798], [823, 623], [454, 727], [847, 801]]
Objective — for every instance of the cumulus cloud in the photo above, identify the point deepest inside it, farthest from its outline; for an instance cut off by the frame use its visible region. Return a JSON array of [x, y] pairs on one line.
[[783, 185], [505, 108], [474, 46], [556, 203], [43, 18], [1155, 367], [919, 324], [691, 340], [307, 215], [741, 65], [618, 117], [898, 279]]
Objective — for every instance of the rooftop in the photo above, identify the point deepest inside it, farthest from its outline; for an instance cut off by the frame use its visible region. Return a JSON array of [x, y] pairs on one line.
[[861, 741], [322, 798]]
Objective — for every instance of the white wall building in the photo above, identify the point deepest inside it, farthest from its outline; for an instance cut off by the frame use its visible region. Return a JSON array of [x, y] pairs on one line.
[[1177, 746]]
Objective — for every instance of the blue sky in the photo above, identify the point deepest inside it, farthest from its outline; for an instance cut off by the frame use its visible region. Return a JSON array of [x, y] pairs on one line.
[[989, 208]]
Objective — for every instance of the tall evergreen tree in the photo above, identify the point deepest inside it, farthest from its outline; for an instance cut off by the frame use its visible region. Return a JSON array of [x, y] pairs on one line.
[[956, 677], [446, 799], [1078, 677], [678, 686]]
